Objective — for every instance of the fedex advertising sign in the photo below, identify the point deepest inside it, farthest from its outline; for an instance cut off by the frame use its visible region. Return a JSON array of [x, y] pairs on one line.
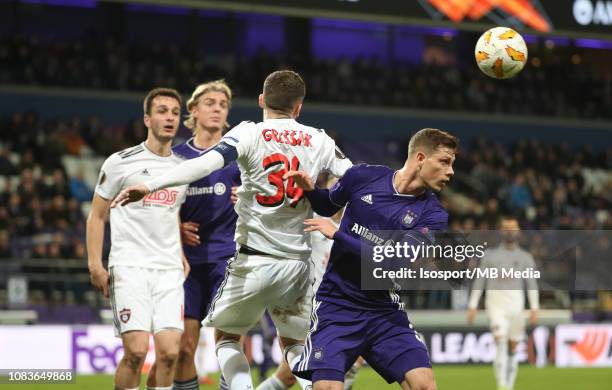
[[96, 350]]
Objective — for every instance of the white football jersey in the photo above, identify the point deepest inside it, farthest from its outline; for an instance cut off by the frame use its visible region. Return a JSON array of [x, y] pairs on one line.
[[506, 294], [146, 233], [271, 211]]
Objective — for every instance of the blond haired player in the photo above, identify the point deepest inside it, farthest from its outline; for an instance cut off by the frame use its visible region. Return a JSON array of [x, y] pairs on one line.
[[271, 268], [208, 220], [505, 301], [146, 263]]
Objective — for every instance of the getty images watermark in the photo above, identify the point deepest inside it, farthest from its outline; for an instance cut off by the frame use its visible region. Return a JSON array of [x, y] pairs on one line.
[[549, 259]]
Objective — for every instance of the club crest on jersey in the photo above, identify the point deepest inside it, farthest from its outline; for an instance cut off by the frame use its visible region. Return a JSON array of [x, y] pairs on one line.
[[289, 137], [124, 315], [162, 197], [409, 219], [318, 354], [219, 188]]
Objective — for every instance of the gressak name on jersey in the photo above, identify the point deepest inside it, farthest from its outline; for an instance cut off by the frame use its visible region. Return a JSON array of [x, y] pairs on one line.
[[289, 137]]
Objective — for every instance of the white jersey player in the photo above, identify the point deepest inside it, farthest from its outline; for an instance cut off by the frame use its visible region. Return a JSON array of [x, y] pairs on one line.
[[271, 268], [146, 262], [505, 300]]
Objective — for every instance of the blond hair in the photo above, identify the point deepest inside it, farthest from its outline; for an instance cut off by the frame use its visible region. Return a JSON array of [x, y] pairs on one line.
[[211, 86]]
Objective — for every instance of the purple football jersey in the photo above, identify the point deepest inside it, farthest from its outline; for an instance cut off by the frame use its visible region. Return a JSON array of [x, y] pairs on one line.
[[209, 204], [372, 204]]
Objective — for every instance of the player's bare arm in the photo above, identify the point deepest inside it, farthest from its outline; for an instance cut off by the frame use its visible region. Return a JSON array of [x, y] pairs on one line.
[[95, 238], [323, 225]]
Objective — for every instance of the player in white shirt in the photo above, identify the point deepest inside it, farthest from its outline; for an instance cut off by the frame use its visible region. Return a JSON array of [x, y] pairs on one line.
[[146, 263], [505, 300], [271, 268]]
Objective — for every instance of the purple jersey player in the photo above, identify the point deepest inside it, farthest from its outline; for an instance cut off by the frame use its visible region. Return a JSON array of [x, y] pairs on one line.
[[208, 220], [348, 322]]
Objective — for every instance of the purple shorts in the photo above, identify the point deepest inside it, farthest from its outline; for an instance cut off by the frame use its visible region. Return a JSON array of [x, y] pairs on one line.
[[201, 286], [339, 335]]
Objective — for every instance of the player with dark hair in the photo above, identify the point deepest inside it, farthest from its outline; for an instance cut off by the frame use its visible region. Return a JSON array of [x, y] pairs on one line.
[[271, 270], [505, 300], [146, 264]]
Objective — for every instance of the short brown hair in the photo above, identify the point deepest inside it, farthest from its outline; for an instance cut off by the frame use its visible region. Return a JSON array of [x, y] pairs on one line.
[[431, 139], [282, 90], [169, 92]]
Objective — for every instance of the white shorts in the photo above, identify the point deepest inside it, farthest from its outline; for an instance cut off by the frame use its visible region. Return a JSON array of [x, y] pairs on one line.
[[146, 299], [254, 283], [507, 325]]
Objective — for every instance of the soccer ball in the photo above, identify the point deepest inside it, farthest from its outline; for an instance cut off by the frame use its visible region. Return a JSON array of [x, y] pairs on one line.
[[501, 52]]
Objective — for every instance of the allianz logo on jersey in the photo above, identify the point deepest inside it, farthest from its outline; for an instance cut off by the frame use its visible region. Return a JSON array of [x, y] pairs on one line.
[[217, 189], [367, 234], [288, 137]]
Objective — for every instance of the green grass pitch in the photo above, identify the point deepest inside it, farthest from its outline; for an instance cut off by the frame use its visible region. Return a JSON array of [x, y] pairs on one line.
[[448, 378]]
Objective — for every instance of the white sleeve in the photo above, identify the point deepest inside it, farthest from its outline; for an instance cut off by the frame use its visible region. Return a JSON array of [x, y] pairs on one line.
[[110, 178], [241, 137], [188, 171], [478, 286], [533, 295], [335, 162]]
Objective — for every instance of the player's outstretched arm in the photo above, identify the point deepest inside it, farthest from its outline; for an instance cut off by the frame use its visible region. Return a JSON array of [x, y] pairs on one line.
[[184, 173], [95, 237]]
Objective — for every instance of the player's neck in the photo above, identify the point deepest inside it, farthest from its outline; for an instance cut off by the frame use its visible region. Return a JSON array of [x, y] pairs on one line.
[[406, 181], [269, 114], [160, 147], [205, 138]]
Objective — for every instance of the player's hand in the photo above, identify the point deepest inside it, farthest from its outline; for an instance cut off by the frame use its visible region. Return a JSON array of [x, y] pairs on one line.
[[234, 196], [533, 317], [302, 179], [130, 194], [99, 279], [325, 226], [189, 233], [186, 267], [471, 315]]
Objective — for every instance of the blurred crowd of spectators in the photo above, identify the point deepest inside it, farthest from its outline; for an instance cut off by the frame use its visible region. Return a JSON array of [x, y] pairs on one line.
[[43, 208], [554, 88], [548, 186]]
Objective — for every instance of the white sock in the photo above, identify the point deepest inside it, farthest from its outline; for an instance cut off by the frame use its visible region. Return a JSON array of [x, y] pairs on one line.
[[292, 354], [234, 365], [349, 377], [501, 363], [512, 369], [272, 383], [159, 388]]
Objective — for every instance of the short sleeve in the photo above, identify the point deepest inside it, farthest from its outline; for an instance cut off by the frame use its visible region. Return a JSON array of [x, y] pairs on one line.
[[335, 162], [340, 193], [110, 178], [241, 137]]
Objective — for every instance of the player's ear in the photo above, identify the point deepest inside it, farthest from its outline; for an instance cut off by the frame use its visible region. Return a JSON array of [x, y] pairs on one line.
[[146, 120], [261, 101], [296, 110]]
